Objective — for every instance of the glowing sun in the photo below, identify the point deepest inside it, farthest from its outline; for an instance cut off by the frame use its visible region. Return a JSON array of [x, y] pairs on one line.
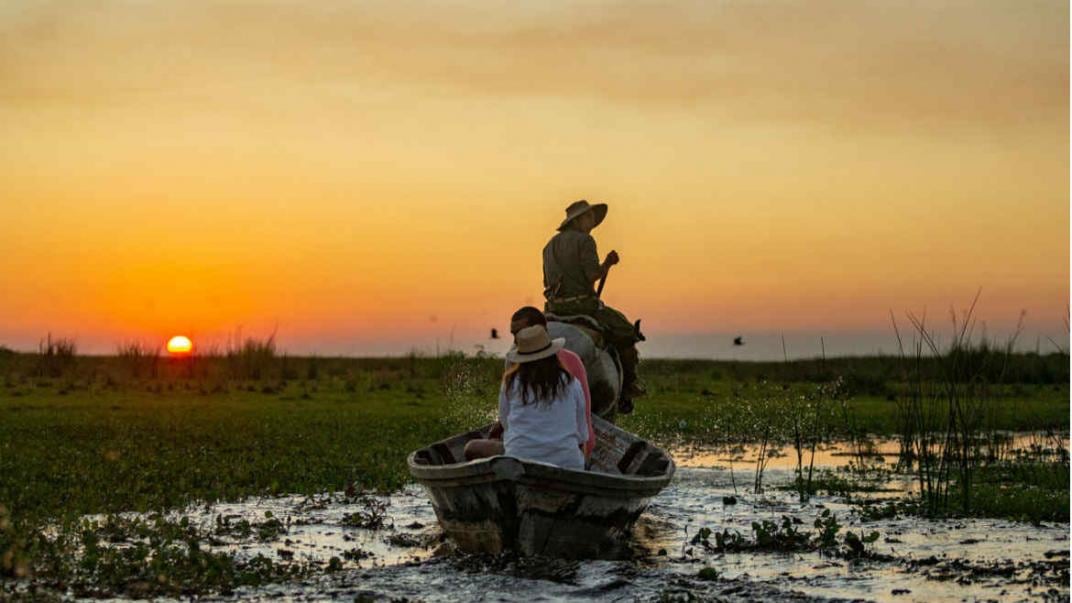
[[179, 344]]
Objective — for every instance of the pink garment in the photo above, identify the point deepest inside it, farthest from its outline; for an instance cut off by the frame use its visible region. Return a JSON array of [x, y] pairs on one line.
[[574, 366]]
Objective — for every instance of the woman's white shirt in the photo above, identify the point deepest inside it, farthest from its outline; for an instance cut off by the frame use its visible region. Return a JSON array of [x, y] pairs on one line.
[[546, 432]]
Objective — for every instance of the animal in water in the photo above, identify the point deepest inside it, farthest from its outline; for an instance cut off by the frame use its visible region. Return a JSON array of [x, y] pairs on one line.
[[738, 340], [601, 363]]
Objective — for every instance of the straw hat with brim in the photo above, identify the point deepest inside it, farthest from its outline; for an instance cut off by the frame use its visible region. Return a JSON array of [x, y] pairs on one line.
[[534, 343], [579, 208]]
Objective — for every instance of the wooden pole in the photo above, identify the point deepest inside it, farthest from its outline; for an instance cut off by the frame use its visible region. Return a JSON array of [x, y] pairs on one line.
[[602, 281]]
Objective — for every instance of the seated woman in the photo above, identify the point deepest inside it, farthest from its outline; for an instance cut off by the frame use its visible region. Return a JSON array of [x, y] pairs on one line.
[[541, 406]]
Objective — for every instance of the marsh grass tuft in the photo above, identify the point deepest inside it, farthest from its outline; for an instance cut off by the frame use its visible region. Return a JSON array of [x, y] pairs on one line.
[[253, 358], [946, 416], [141, 361], [56, 357]]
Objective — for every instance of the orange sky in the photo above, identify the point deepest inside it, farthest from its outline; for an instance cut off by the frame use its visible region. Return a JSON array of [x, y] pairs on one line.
[[370, 177]]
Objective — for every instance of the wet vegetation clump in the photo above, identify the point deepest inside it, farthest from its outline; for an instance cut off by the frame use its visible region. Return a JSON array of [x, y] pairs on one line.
[[372, 515], [237, 527], [140, 557], [1021, 490], [846, 484], [1039, 574], [789, 536]]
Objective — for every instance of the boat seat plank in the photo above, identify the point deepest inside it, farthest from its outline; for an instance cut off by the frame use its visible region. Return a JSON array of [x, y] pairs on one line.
[[630, 455], [446, 457]]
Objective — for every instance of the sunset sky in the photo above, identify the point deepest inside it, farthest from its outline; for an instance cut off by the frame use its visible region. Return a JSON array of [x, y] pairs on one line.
[[370, 177]]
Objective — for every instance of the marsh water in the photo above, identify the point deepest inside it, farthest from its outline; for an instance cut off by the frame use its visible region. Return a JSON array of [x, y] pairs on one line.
[[401, 553]]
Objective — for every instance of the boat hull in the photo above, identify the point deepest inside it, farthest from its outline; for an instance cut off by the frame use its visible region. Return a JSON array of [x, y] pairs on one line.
[[507, 504]]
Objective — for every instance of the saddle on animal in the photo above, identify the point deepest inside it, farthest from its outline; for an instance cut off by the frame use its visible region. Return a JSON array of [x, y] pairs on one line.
[[585, 323], [591, 327]]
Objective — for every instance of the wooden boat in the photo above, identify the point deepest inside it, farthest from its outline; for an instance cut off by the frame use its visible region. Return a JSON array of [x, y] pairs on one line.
[[502, 503]]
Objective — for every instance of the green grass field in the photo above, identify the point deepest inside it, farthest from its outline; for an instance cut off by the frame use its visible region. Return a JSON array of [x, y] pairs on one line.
[[91, 443], [712, 413], [67, 450]]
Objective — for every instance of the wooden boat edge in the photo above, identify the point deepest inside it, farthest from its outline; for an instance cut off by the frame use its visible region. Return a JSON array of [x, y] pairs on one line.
[[501, 468], [506, 468]]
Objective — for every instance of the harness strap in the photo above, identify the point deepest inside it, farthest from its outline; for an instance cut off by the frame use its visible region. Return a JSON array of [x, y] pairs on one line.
[[572, 298]]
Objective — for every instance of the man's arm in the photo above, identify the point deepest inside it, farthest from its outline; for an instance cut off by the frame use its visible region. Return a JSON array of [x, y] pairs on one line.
[[612, 259], [593, 269]]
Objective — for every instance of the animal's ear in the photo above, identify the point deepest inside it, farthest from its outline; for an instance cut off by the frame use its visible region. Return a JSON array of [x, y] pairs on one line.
[[636, 327]]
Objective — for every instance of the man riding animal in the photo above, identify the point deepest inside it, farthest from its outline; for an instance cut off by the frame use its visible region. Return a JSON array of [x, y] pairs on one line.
[[571, 269]]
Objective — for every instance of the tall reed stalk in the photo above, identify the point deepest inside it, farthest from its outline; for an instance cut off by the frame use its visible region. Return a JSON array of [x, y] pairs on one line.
[[943, 414]]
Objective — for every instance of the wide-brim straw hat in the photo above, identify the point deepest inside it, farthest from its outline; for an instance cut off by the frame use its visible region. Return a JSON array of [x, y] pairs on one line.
[[579, 208], [534, 343]]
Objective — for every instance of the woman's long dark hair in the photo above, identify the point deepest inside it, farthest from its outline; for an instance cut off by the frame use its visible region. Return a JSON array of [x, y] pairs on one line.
[[540, 380]]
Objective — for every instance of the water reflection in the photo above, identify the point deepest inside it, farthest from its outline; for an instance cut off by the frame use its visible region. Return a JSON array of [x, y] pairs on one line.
[[843, 454]]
